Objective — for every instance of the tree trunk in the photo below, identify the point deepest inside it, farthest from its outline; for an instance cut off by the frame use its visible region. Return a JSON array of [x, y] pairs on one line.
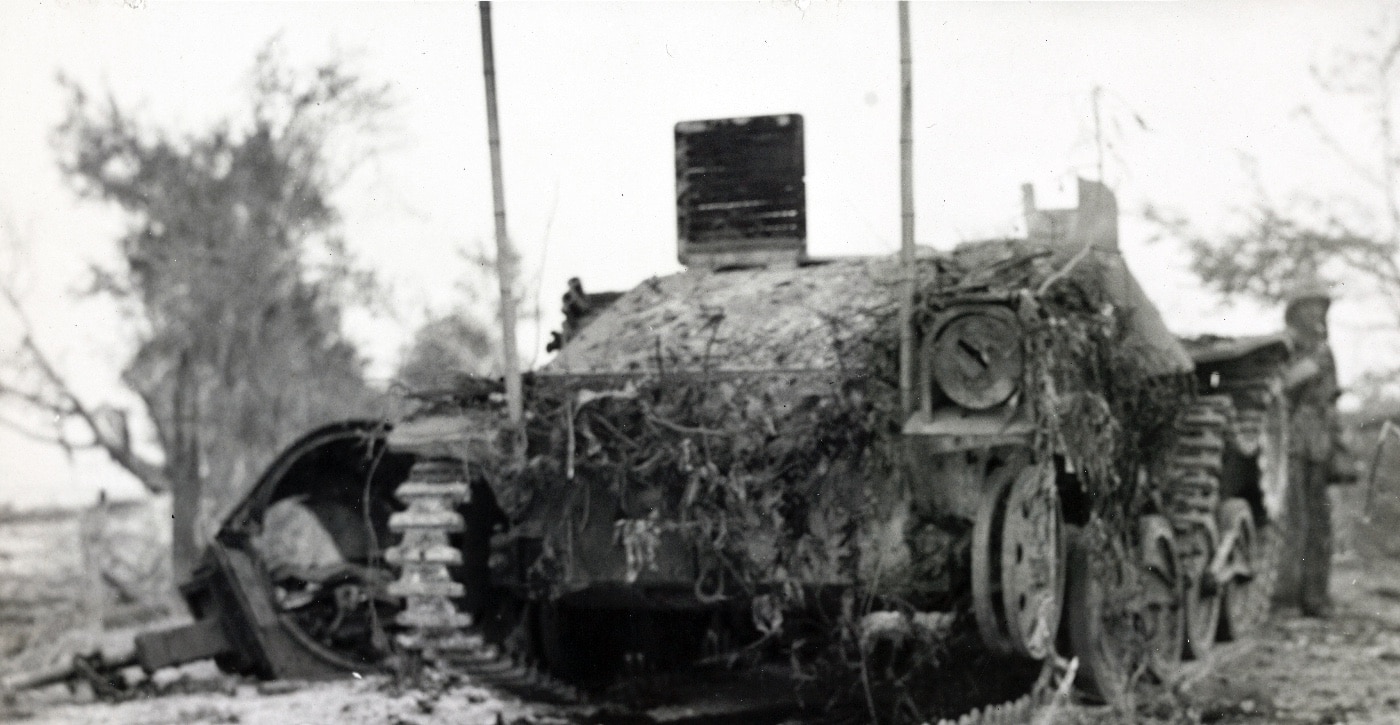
[[184, 510], [182, 466]]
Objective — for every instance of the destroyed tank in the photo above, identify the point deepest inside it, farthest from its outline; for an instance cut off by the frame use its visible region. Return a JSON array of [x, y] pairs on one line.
[[720, 461]]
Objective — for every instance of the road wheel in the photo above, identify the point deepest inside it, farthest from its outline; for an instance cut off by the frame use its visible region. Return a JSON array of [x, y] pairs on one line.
[[1161, 621], [1201, 595], [1194, 465], [1245, 580], [1123, 618], [1018, 563]]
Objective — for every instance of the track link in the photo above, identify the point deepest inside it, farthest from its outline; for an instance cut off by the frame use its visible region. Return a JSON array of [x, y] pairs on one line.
[[1015, 712], [1194, 465], [1251, 398], [1261, 434], [512, 672], [433, 626]]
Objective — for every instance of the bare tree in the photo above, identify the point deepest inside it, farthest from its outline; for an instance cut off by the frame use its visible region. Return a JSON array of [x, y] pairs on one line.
[[1356, 233], [238, 339]]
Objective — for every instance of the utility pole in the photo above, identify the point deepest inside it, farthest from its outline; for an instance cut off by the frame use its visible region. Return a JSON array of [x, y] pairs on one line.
[[506, 259], [906, 206]]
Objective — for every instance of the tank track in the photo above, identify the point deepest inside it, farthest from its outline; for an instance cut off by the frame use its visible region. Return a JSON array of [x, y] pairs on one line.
[[433, 628], [507, 668], [1194, 464], [1259, 405], [1050, 691], [1251, 399], [1194, 467], [433, 625], [1240, 421], [1015, 712]]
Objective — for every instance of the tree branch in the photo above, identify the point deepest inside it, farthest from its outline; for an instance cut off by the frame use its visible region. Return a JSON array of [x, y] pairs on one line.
[[34, 400], [1330, 141], [54, 440], [152, 476]]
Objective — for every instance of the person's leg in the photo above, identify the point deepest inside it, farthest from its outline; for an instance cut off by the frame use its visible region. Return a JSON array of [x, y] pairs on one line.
[[1287, 589], [1317, 546]]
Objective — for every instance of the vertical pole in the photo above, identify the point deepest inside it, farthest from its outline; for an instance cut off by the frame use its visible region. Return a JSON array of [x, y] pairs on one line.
[[92, 525], [505, 254], [1098, 131], [906, 206]]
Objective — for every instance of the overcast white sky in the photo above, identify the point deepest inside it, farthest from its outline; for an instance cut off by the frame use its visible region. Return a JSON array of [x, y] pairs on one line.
[[590, 93]]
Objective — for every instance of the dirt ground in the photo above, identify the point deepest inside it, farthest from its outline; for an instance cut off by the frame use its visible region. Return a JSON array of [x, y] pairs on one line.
[[371, 701], [1342, 670], [1297, 671]]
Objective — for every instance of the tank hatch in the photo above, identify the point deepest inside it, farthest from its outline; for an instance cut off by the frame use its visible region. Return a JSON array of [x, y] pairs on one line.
[[741, 200]]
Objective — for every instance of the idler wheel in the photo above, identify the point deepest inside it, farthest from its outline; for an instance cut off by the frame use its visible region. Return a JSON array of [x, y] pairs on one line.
[[1018, 562], [1123, 618]]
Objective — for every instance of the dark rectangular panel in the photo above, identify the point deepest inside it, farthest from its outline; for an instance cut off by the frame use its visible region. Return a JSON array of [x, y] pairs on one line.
[[739, 185]]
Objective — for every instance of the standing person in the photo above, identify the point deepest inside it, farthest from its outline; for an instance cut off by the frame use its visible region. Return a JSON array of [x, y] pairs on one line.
[[1310, 384]]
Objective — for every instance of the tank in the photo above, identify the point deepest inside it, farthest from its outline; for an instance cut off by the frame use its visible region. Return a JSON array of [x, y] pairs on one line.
[[721, 455], [717, 465]]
